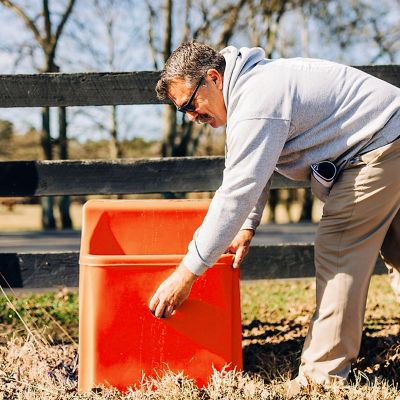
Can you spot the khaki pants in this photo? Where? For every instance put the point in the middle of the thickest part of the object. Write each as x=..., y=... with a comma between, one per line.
x=361, y=217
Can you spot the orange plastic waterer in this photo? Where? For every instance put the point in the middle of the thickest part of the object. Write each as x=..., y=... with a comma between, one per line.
x=128, y=248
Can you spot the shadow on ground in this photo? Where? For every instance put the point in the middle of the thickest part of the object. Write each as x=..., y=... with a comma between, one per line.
x=273, y=350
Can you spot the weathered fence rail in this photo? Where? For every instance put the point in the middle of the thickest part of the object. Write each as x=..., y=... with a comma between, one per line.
x=58, y=269
x=177, y=175
x=188, y=174
x=107, y=88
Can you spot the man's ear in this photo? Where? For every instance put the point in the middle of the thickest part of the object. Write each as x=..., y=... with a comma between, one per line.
x=215, y=77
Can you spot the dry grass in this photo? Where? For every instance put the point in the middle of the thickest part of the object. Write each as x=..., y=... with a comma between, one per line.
x=29, y=370
x=43, y=364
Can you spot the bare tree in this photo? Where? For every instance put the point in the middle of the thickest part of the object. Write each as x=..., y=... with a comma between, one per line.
x=362, y=31
x=169, y=117
x=104, y=37
x=47, y=38
x=105, y=11
x=180, y=137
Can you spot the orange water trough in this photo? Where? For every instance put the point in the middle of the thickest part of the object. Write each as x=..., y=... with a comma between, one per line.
x=128, y=248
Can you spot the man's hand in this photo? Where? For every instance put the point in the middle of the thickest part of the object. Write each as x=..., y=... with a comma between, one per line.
x=240, y=246
x=172, y=292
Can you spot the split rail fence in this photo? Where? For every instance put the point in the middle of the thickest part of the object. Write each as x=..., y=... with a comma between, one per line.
x=127, y=176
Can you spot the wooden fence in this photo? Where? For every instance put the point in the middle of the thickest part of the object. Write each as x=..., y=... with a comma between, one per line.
x=130, y=176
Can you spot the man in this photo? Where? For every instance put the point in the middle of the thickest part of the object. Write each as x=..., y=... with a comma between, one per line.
x=289, y=115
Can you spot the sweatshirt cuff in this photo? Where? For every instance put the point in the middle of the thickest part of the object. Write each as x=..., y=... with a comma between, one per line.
x=250, y=224
x=194, y=263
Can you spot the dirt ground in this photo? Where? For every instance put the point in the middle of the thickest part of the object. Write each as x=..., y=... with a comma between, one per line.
x=27, y=217
x=275, y=330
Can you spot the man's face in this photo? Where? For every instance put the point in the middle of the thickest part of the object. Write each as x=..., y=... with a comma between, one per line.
x=208, y=102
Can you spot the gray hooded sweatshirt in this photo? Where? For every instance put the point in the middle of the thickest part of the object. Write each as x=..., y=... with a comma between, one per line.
x=285, y=115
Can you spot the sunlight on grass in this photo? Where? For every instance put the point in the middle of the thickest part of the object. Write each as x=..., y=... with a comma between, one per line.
x=275, y=316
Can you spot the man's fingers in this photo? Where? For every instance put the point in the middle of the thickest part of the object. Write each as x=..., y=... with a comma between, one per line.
x=238, y=257
x=172, y=292
x=159, y=308
x=159, y=311
x=230, y=249
x=164, y=310
x=154, y=302
x=168, y=311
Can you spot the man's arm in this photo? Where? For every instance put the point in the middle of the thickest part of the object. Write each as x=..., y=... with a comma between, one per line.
x=240, y=245
x=254, y=218
x=254, y=148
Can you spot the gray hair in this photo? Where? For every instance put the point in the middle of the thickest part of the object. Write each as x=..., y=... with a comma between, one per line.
x=189, y=61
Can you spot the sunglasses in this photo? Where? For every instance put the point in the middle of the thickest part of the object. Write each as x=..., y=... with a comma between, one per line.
x=189, y=106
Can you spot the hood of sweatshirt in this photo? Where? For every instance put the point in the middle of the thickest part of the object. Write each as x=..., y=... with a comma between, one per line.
x=238, y=61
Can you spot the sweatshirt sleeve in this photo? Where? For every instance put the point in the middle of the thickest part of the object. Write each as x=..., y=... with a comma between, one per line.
x=254, y=146
x=254, y=218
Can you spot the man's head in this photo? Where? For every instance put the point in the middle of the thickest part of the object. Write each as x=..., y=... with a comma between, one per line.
x=193, y=79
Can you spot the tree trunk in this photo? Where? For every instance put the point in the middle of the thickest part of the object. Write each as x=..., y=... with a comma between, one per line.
x=306, y=212
x=64, y=205
x=169, y=117
x=115, y=145
x=47, y=42
x=167, y=45
x=273, y=201
x=48, y=220
x=169, y=131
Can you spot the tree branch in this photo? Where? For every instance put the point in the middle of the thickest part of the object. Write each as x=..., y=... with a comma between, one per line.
x=64, y=19
x=186, y=28
x=379, y=39
x=28, y=22
x=205, y=25
x=150, y=36
x=47, y=21
x=167, y=43
x=229, y=24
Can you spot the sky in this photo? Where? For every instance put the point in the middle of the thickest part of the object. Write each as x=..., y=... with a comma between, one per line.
x=136, y=120
x=84, y=48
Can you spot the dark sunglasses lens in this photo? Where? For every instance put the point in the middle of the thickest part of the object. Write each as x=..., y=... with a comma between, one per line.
x=188, y=108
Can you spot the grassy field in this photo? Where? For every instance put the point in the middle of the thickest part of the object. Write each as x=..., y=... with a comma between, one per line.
x=38, y=356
